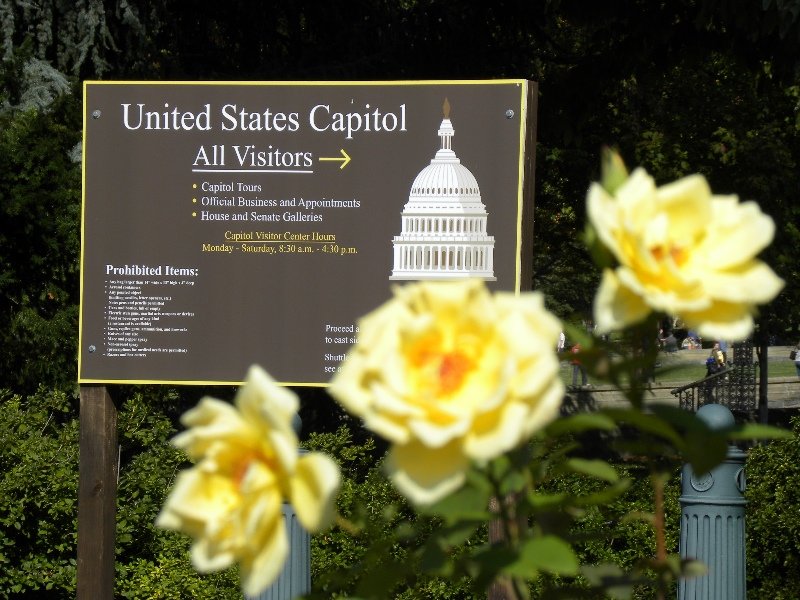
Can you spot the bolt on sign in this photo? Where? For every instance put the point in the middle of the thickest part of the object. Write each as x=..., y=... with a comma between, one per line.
x=228, y=224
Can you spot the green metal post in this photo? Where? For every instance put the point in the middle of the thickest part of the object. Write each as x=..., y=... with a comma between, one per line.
x=712, y=521
x=295, y=579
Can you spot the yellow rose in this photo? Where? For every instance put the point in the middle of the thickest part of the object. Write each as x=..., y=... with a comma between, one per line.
x=450, y=374
x=247, y=466
x=682, y=251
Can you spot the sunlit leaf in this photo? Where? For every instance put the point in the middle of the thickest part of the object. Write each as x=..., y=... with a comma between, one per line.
x=638, y=515
x=613, y=172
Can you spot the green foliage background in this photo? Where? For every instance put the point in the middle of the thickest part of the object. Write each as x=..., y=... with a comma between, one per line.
x=38, y=511
x=773, y=519
x=679, y=86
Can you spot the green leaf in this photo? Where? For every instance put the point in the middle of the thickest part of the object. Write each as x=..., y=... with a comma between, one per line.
x=605, y=495
x=436, y=556
x=377, y=582
x=466, y=504
x=488, y=561
x=578, y=334
x=435, y=560
x=540, y=501
x=460, y=533
x=405, y=531
x=646, y=422
x=547, y=553
x=639, y=515
x=703, y=447
x=594, y=468
x=682, y=419
x=557, y=454
x=500, y=466
x=757, y=431
x=613, y=172
x=611, y=578
x=693, y=568
x=704, y=451
x=600, y=254
x=513, y=482
x=580, y=423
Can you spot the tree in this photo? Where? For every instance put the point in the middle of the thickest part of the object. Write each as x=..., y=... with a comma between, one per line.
x=680, y=86
x=39, y=265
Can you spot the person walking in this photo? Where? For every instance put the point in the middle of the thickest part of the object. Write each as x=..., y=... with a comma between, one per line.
x=712, y=368
x=718, y=356
x=723, y=347
x=577, y=367
x=796, y=352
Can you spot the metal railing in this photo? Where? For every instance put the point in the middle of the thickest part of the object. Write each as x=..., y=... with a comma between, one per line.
x=734, y=387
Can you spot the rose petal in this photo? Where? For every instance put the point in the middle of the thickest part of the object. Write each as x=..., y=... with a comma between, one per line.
x=615, y=306
x=313, y=490
x=423, y=480
x=260, y=569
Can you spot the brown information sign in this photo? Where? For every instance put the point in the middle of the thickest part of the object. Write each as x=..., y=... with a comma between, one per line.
x=227, y=224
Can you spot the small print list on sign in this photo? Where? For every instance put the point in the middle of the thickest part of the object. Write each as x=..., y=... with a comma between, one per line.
x=240, y=205
x=242, y=202
x=142, y=317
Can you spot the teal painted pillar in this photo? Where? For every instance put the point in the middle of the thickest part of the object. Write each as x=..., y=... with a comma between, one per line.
x=295, y=579
x=712, y=521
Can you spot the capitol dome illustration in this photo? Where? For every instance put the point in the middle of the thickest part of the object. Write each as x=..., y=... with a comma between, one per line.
x=443, y=233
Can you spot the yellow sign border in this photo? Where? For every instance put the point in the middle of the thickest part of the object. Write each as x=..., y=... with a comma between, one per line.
x=523, y=83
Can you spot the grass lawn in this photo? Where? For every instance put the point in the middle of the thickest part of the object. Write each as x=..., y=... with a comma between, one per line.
x=682, y=371
x=676, y=368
